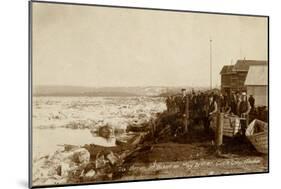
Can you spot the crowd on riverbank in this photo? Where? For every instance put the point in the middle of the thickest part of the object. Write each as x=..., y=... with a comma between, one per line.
x=199, y=107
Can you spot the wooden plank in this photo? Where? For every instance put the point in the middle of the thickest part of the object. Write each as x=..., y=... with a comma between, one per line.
x=219, y=130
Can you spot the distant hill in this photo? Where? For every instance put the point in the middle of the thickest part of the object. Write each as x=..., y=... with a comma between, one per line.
x=177, y=90
x=95, y=91
x=48, y=90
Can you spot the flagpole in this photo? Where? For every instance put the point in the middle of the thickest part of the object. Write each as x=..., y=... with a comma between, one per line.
x=211, y=83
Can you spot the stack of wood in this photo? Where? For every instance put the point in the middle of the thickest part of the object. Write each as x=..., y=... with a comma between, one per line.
x=231, y=125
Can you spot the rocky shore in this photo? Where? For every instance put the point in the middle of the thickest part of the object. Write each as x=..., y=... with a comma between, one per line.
x=90, y=163
x=147, y=151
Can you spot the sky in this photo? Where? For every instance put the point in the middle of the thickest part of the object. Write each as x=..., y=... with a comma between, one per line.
x=101, y=46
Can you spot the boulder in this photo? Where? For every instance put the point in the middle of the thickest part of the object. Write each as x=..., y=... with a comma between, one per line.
x=63, y=169
x=113, y=158
x=106, y=131
x=90, y=173
x=81, y=156
x=101, y=162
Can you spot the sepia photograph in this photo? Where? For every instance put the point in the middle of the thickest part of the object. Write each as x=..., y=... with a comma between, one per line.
x=123, y=94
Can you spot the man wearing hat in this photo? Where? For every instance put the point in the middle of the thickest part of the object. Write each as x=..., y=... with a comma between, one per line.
x=212, y=109
x=184, y=109
x=252, y=101
x=243, y=110
x=233, y=102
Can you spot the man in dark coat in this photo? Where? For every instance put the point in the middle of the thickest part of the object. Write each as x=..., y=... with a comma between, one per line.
x=243, y=110
x=184, y=109
x=252, y=101
x=169, y=103
x=211, y=110
x=233, y=103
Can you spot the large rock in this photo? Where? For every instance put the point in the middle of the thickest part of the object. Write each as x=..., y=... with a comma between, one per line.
x=64, y=168
x=113, y=158
x=101, y=162
x=106, y=132
x=57, y=167
x=81, y=156
x=90, y=174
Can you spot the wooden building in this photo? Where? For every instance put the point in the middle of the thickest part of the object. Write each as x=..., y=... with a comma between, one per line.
x=233, y=76
x=257, y=84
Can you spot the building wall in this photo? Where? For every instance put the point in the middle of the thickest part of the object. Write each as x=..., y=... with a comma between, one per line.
x=233, y=82
x=241, y=77
x=259, y=93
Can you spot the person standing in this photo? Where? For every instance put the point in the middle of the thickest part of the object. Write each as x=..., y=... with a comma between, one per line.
x=212, y=109
x=233, y=103
x=184, y=109
x=168, y=103
x=201, y=104
x=221, y=101
x=227, y=108
x=252, y=101
x=244, y=109
x=238, y=100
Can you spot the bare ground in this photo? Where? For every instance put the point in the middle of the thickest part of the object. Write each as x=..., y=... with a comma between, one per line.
x=193, y=155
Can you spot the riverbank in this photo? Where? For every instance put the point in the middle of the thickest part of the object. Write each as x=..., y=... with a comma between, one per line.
x=150, y=151
x=185, y=159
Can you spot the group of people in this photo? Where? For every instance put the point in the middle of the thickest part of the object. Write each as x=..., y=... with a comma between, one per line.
x=202, y=106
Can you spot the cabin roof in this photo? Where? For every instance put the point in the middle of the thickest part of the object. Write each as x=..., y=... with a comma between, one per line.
x=243, y=65
x=257, y=75
x=226, y=69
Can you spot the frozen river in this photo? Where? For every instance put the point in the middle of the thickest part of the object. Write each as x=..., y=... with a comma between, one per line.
x=68, y=120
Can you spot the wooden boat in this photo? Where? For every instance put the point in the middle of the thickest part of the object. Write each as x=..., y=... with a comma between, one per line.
x=257, y=133
x=131, y=139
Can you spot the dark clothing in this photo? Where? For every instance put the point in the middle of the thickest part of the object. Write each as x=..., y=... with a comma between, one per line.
x=168, y=104
x=211, y=107
x=184, y=105
x=233, y=104
x=184, y=111
x=206, y=123
x=224, y=103
x=227, y=108
x=243, y=124
x=219, y=100
x=243, y=107
x=252, y=101
x=201, y=106
x=178, y=103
